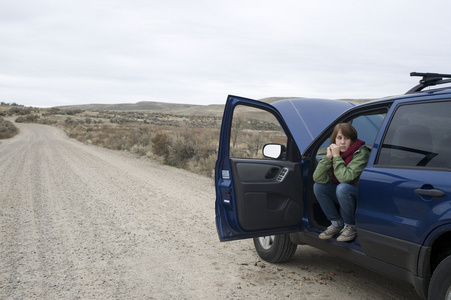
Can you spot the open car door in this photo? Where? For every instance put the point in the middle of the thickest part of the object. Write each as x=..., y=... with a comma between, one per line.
x=255, y=195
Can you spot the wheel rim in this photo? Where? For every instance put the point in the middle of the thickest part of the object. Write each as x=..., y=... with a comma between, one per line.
x=267, y=241
x=448, y=294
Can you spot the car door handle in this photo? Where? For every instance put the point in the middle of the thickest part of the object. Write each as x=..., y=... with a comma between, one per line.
x=434, y=193
x=271, y=174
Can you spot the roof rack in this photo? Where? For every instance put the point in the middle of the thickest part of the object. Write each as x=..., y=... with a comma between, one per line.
x=429, y=79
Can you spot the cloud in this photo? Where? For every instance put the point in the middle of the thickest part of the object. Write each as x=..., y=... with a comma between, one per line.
x=68, y=52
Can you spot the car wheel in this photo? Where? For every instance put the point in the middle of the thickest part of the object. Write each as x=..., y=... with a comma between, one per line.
x=275, y=248
x=440, y=285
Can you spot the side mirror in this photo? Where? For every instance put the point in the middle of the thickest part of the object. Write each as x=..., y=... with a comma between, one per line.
x=274, y=151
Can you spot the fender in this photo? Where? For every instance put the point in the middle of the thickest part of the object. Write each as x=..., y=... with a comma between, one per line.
x=444, y=222
x=424, y=256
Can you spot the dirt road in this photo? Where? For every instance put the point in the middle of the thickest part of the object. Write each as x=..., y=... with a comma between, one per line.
x=82, y=222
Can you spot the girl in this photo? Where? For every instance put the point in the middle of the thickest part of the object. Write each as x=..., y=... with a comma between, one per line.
x=336, y=178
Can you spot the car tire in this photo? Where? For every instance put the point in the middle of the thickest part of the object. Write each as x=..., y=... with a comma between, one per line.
x=440, y=285
x=275, y=248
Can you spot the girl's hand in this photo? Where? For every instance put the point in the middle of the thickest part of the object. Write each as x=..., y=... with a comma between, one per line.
x=329, y=153
x=334, y=149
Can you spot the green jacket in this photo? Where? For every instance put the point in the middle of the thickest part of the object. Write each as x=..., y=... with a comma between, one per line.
x=345, y=174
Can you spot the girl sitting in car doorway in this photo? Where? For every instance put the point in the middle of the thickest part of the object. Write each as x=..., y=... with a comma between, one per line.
x=336, y=178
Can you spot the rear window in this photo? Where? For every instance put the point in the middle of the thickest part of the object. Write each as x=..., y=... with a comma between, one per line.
x=419, y=136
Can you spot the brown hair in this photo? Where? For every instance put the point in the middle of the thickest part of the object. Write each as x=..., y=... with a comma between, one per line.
x=346, y=129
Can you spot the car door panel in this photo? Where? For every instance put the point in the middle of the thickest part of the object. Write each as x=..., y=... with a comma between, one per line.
x=256, y=196
x=267, y=193
x=389, y=229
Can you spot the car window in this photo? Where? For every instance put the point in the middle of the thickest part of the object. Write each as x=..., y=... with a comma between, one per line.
x=367, y=127
x=419, y=135
x=253, y=128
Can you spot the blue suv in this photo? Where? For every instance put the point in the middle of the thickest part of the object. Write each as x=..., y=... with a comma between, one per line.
x=268, y=151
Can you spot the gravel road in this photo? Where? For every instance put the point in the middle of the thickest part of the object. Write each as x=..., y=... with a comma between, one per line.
x=83, y=222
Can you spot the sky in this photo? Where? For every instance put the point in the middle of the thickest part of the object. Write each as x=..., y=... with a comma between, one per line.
x=64, y=52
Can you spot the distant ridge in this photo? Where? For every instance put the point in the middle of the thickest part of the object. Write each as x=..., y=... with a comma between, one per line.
x=163, y=107
x=172, y=108
x=143, y=105
x=156, y=107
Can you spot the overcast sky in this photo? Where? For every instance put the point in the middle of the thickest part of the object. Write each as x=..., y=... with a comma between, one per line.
x=60, y=52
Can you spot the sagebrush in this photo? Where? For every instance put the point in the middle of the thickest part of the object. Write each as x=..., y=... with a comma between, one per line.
x=7, y=129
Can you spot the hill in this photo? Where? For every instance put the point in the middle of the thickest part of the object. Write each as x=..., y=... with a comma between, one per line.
x=162, y=107
x=172, y=108
x=156, y=107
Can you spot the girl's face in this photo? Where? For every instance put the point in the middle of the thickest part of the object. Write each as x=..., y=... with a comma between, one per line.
x=343, y=142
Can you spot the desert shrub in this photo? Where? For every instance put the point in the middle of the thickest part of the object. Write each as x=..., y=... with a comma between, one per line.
x=53, y=111
x=48, y=121
x=160, y=144
x=73, y=122
x=204, y=166
x=137, y=137
x=71, y=112
x=206, y=150
x=115, y=142
x=28, y=119
x=7, y=129
x=18, y=111
x=140, y=150
x=123, y=120
x=180, y=152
